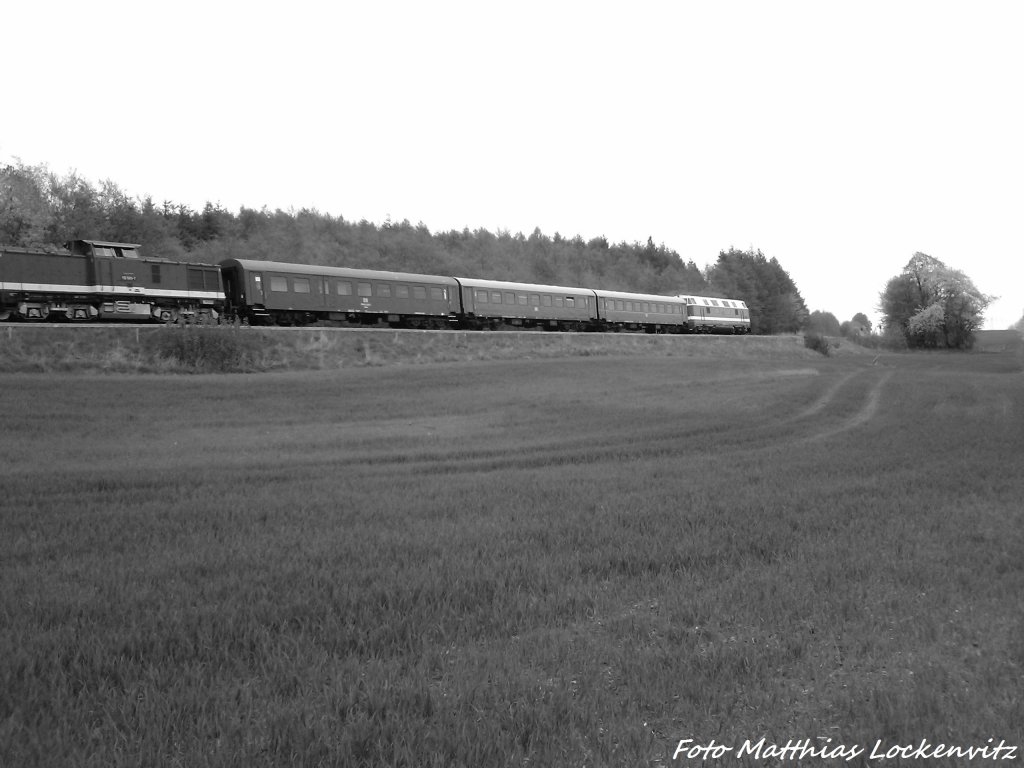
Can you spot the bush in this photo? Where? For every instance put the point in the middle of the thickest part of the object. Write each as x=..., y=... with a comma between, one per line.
x=211, y=349
x=817, y=342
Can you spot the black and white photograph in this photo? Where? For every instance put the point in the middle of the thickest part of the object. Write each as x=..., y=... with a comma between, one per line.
x=537, y=384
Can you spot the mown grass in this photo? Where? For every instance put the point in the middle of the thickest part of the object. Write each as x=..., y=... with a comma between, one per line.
x=547, y=562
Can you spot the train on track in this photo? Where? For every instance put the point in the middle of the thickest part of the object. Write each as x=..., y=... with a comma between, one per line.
x=93, y=280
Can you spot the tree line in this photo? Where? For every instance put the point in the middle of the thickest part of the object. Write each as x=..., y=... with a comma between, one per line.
x=41, y=208
x=928, y=305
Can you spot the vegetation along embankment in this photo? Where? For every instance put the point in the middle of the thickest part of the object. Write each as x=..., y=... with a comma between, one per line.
x=240, y=349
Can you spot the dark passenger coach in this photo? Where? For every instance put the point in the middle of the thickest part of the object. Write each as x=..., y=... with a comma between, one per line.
x=267, y=292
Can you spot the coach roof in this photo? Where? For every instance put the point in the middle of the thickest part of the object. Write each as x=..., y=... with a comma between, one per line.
x=602, y=294
x=255, y=265
x=473, y=282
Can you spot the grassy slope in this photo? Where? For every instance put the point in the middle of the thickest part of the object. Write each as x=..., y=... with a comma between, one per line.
x=111, y=349
x=554, y=562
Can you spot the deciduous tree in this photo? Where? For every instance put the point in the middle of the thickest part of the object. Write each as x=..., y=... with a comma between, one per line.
x=933, y=305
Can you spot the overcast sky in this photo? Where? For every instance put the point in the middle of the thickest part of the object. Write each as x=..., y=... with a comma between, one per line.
x=838, y=137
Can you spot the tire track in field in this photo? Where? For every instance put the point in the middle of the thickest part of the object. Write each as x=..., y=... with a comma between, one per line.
x=678, y=439
x=863, y=415
x=671, y=441
x=825, y=398
x=675, y=440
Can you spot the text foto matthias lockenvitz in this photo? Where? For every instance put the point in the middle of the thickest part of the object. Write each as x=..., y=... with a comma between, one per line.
x=824, y=749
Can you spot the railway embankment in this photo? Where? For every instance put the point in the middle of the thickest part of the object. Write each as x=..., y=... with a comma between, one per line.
x=157, y=349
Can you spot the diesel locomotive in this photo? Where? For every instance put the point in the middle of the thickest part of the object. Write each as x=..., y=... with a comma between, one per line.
x=94, y=280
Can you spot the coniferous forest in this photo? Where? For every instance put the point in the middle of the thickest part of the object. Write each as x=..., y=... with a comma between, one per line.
x=40, y=208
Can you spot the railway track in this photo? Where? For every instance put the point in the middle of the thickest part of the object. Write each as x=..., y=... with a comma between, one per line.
x=13, y=326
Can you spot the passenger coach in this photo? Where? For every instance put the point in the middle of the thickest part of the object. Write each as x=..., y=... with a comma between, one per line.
x=295, y=294
x=490, y=303
x=635, y=311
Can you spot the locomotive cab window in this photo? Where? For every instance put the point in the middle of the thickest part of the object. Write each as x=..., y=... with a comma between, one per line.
x=115, y=252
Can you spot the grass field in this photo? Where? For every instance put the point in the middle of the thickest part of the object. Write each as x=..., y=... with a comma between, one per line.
x=559, y=562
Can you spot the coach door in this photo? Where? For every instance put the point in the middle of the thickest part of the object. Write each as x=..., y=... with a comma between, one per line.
x=257, y=288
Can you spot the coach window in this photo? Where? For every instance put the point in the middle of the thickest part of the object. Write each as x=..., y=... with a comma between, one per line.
x=364, y=289
x=344, y=289
x=558, y=301
x=300, y=284
x=437, y=294
x=401, y=291
x=521, y=298
x=535, y=299
x=384, y=290
x=279, y=284
x=545, y=300
x=481, y=297
x=495, y=297
x=510, y=298
x=419, y=292
x=570, y=302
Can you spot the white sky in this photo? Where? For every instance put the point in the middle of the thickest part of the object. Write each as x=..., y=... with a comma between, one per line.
x=839, y=137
